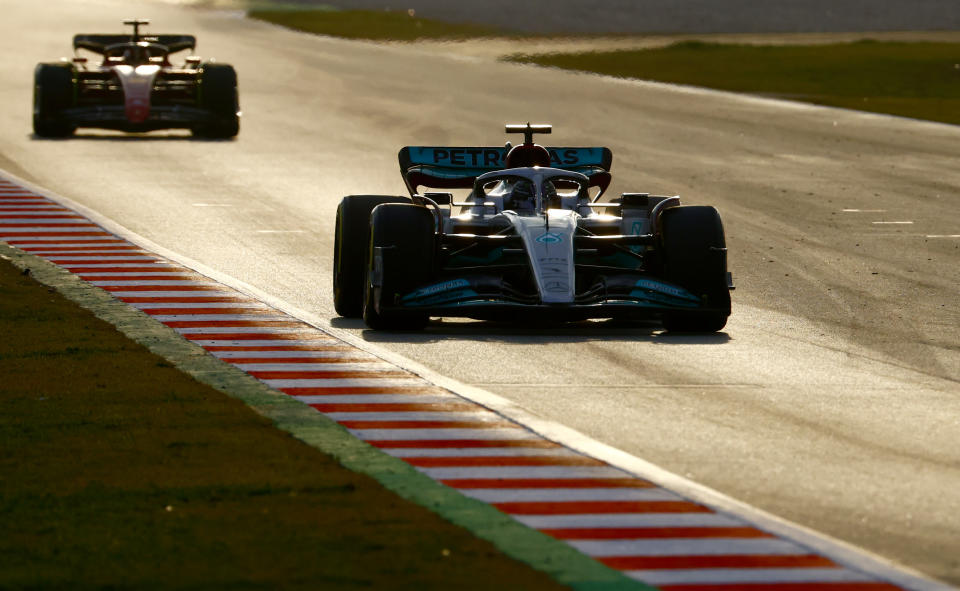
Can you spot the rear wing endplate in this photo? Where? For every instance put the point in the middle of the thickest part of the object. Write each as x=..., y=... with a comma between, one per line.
x=444, y=167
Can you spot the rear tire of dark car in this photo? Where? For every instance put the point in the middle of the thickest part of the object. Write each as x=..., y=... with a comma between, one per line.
x=406, y=233
x=52, y=93
x=694, y=256
x=219, y=96
x=350, y=247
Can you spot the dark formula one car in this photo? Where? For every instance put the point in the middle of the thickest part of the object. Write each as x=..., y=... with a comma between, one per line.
x=135, y=88
x=531, y=241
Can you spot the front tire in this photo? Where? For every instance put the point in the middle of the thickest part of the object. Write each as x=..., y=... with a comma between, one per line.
x=406, y=235
x=350, y=250
x=52, y=93
x=694, y=256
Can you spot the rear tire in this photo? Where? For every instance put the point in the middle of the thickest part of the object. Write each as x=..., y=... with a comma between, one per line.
x=694, y=256
x=408, y=232
x=52, y=93
x=219, y=95
x=350, y=250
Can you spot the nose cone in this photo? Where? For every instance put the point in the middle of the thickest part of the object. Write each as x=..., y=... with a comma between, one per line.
x=137, y=86
x=137, y=110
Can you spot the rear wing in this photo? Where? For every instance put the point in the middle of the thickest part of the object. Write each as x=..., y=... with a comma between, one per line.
x=99, y=43
x=444, y=167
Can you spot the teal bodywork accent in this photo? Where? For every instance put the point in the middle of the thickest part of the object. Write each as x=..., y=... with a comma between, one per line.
x=452, y=298
x=664, y=294
x=617, y=259
x=462, y=260
x=439, y=293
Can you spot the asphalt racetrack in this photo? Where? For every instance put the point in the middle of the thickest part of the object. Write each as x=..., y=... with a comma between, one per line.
x=831, y=398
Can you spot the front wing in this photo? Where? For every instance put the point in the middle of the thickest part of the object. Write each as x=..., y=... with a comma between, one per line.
x=115, y=117
x=489, y=298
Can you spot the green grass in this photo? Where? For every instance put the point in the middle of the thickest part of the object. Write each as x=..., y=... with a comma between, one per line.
x=387, y=25
x=920, y=80
x=119, y=471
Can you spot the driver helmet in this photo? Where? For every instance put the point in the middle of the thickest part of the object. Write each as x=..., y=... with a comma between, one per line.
x=522, y=196
x=136, y=55
x=131, y=55
x=550, y=197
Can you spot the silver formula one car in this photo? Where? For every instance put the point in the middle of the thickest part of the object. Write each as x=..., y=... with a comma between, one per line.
x=531, y=241
x=135, y=87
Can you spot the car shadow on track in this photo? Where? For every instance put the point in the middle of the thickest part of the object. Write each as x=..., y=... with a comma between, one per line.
x=573, y=332
x=134, y=137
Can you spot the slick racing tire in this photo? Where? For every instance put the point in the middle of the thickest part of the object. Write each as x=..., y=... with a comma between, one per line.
x=405, y=232
x=350, y=247
x=694, y=256
x=219, y=96
x=52, y=93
